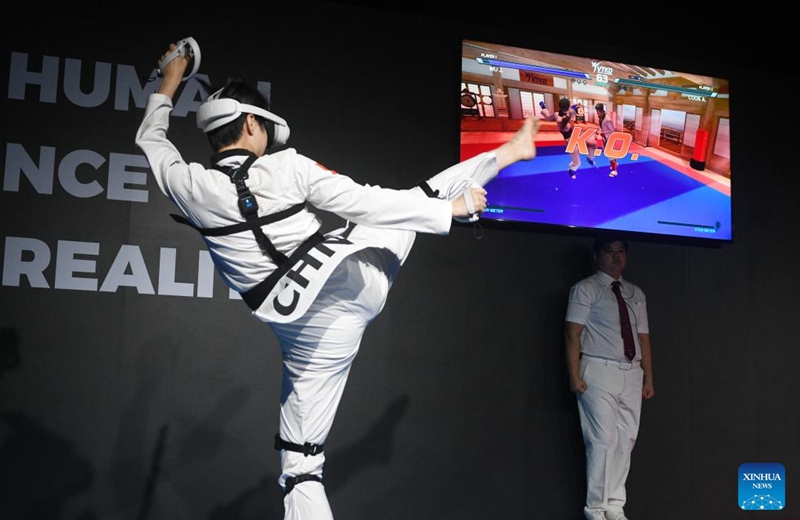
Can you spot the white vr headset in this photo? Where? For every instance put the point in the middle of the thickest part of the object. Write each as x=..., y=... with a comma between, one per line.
x=217, y=111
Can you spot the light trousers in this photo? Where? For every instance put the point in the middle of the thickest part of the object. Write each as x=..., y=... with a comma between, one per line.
x=610, y=411
x=318, y=349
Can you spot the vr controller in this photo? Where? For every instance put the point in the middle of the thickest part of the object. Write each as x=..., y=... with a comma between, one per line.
x=185, y=47
x=216, y=111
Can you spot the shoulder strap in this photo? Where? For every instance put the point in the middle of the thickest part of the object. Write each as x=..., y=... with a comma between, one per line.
x=256, y=296
x=248, y=208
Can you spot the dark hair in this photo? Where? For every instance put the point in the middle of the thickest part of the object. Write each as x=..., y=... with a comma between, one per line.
x=603, y=240
x=243, y=93
x=601, y=107
x=563, y=104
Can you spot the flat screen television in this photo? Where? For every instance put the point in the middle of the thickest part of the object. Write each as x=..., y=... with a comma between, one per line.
x=670, y=142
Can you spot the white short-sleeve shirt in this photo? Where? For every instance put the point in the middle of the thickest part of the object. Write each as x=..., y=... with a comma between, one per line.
x=593, y=304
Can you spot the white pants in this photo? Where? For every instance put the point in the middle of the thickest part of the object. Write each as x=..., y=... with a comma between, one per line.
x=319, y=348
x=609, y=409
x=318, y=351
x=575, y=155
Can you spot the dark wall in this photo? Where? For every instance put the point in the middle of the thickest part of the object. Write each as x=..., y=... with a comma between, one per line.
x=124, y=394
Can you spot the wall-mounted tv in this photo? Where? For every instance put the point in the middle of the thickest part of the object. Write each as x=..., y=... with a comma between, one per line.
x=663, y=167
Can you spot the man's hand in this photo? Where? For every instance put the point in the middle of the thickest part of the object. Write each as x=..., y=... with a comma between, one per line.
x=648, y=390
x=577, y=385
x=172, y=72
x=478, y=202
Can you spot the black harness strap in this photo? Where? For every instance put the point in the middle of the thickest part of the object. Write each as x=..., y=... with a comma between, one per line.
x=291, y=482
x=248, y=207
x=242, y=226
x=256, y=296
x=427, y=189
x=306, y=449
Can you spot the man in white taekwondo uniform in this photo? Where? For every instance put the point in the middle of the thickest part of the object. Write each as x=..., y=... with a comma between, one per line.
x=317, y=292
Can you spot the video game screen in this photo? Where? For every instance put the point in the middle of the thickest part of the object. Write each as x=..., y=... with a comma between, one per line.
x=621, y=146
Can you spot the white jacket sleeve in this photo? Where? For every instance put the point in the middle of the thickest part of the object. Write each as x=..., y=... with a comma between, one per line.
x=151, y=138
x=376, y=206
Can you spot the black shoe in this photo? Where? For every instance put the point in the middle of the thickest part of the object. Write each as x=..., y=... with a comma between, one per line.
x=572, y=174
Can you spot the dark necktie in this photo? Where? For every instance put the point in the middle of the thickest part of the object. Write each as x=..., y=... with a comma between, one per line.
x=625, y=321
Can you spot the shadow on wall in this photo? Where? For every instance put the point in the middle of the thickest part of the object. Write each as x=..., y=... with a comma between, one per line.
x=39, y=471
x=148, y=475
x=265, y=502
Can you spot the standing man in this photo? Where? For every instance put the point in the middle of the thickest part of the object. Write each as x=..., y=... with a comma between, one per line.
x=609, y=383
x=606, y=129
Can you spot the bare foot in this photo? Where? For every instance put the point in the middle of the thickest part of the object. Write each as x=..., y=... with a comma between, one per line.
x=521, y=147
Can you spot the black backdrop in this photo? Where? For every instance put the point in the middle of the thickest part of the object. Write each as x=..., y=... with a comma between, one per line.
x=133, y=386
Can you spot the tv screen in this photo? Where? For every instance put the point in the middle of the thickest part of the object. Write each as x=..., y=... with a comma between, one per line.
x=621, y=146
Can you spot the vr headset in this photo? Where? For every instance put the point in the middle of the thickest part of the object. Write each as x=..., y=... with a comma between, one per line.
x=216, y=111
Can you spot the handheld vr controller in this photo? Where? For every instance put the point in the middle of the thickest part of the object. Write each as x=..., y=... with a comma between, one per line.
x=216, y=111
x=185, y=47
